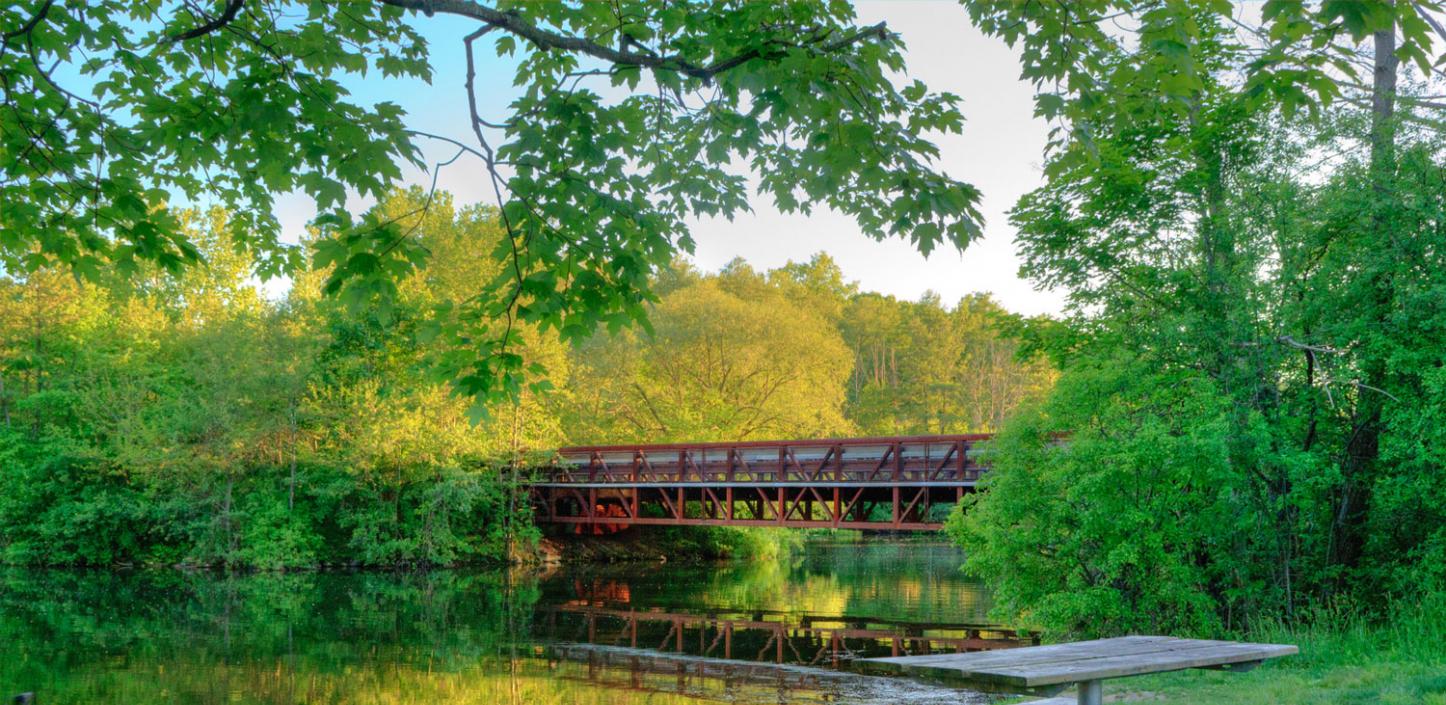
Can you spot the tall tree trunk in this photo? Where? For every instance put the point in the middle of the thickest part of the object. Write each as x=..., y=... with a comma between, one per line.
x=1383, y=111
x=36, y=370
x=291, y=489
x=1220, y=260
x=1363, y=445
x=226, y=524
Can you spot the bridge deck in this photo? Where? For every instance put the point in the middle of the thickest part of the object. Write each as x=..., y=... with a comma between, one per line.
x=905, y=482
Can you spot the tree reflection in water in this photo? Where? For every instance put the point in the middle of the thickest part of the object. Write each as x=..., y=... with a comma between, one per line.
x=775, y=633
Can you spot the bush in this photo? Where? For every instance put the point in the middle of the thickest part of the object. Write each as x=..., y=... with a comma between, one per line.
x=61, y=507
x=1127, y=525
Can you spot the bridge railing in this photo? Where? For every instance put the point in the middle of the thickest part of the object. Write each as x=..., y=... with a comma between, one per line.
x=909, y=459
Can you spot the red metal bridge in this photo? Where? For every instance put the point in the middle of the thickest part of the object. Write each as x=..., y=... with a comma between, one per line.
x=897, y=483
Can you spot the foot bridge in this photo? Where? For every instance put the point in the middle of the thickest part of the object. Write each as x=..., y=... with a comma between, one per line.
x=891, y=484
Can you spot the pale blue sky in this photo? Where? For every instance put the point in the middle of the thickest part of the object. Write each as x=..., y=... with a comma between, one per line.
x=999, y=152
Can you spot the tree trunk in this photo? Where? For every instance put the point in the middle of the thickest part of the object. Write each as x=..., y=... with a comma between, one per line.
x=1363, y=446
x=35, y=374
x=291, y=490
x=1383, y=110
x=226, y=525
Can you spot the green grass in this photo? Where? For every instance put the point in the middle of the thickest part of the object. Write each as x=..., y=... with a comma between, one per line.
x=1344, y=659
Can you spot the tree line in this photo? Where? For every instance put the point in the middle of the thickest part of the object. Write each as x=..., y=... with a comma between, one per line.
x=186, y=418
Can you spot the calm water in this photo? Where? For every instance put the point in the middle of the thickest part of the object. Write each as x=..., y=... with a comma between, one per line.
x=778, y=632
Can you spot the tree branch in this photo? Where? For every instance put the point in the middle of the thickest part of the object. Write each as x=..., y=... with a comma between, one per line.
x=464, y=146
x=233, y=7
x=34, y=21
x=1430, y=20
x=548, y=39
x=1292, y=342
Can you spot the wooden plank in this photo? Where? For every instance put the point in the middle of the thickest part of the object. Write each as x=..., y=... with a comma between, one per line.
x=1099, y=648
x=1140, y=664
x=1032, y=667
x=1033, y=654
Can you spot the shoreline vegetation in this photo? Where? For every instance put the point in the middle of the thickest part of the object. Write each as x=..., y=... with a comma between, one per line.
x=672, y=544
x=181, y=418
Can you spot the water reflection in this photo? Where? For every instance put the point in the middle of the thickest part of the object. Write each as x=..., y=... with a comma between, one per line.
x=647, y=676
x=764, y=633
x=771, y=636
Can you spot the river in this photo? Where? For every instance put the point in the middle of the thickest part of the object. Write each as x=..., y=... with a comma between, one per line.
x=778, y=632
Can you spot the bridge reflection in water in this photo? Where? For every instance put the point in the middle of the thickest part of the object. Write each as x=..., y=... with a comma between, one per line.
x=768, y=636
x=729, y=655
x=897, y=483
x=668, y=678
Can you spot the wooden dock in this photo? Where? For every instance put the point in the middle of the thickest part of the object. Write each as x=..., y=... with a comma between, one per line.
x=1050, y=669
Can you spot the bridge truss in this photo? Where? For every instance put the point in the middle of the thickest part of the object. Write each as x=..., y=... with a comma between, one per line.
x=898, y=483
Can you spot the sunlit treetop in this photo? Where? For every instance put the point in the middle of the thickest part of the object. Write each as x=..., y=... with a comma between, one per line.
x=632, y=117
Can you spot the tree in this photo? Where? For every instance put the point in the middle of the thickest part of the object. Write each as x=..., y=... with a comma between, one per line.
x=629, y=119
x=991, y=375
x=818, y=284
x=740, y=348
x=1130, y=526
x=1201, y=237
x=716, y=367
x=922, y=368
x=424, y=459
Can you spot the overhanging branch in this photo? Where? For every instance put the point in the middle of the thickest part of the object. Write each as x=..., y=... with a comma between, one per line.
x=548, y=39
x=31, y=24
x=233, y=7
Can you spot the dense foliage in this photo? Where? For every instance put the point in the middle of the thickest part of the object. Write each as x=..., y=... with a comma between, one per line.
x=631, y=116
x=183, y=418
x=798, y=352
x=1251, y=237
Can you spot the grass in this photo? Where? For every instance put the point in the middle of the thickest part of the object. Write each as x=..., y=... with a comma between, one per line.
x=1344, y=659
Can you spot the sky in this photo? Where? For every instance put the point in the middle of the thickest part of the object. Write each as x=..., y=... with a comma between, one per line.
x=999, y=152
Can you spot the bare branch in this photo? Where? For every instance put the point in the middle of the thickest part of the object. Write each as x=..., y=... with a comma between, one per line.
x=1292, y=342
x=1362, y=385
x=462, y=145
